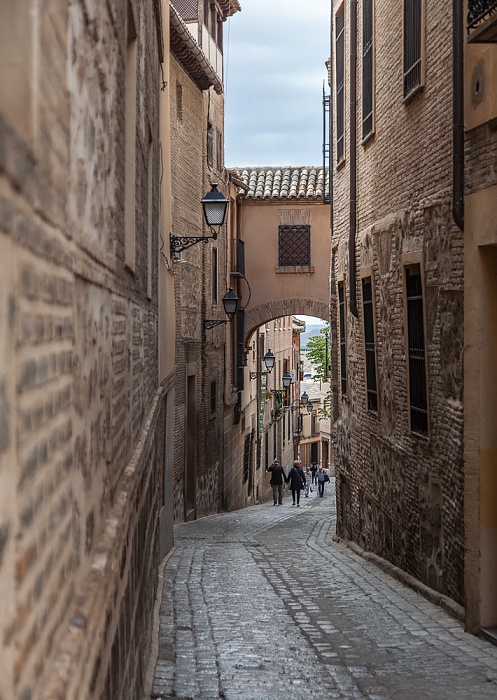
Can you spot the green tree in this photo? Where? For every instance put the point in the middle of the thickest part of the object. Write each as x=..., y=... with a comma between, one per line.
x=318, y=351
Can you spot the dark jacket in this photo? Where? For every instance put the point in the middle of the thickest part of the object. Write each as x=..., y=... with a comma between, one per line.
x=296, y=478
x=277, y=474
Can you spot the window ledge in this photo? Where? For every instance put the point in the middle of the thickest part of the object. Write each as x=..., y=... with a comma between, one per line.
x=412, y=94
x=294, y=269
x=368, y=138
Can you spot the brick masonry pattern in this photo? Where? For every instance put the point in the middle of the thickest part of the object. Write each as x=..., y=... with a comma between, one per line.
x=399, y=495
x=81, y=415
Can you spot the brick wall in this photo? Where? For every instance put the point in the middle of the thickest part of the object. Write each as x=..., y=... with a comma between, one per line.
x=202, y=356
x=398, y=494
x=82, y=415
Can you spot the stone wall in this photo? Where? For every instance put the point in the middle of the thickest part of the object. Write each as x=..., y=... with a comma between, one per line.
x=400, y=495
x=82, y=415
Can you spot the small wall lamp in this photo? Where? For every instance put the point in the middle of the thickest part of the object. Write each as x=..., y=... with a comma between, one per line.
x=303, y=401
x=287, y=380
x=230, y=304
x=269, y=359
x=214, y=205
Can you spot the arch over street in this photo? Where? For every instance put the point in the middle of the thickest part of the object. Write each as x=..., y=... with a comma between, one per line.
x=263, y=313
x=284, y=223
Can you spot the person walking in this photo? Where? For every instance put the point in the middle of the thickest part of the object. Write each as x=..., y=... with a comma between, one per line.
x=296, y=479
x=277, y=480
x=322, y=478
x=314, y=468
x=308, y=482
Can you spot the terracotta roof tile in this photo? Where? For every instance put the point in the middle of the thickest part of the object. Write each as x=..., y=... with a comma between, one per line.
x=302, y=182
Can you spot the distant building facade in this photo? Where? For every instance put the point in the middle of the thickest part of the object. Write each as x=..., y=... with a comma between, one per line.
x=201, y=278
x=397, y=283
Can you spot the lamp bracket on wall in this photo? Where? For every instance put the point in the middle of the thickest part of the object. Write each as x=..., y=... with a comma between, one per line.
x=212, y=323
x=254, y=375
x=179, y=243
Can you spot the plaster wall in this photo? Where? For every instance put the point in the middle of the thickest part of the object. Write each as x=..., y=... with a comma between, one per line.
x=480, y=403
x=268, y=282
x=481, y=408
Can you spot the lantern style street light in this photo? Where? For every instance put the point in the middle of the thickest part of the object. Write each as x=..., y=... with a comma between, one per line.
x=269, y=359
x=287, y=380
x=230, y=304
x=214, y=205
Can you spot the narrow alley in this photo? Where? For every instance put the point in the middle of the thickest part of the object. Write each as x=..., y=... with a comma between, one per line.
x=264, y=603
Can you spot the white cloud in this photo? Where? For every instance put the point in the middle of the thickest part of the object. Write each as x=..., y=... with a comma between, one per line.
x=275, y=54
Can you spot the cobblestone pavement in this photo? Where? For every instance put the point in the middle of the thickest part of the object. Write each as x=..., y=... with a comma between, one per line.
x=262, y=604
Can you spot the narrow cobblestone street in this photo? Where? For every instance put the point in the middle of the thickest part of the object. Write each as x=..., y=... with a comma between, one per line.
x=263, y=603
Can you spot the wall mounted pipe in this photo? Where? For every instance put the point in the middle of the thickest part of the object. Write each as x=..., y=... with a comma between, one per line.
x=458, y=113
x=353, y=160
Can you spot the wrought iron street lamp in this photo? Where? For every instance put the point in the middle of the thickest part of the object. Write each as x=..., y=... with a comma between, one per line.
x=287, y=380
x=214, y=205
x=230, y=304
x=269, y=359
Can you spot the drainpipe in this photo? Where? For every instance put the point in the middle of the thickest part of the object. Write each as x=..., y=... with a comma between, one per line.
x=458, y=114
x=330, y=128
x=353, y=159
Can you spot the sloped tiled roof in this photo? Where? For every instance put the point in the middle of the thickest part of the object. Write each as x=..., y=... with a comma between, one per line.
x=299, y=182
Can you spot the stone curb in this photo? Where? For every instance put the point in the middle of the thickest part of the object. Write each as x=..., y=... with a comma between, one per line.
x=154, y=642
x=450, y=606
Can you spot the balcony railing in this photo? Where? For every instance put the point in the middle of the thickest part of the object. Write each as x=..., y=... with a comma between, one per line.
x=480, y=10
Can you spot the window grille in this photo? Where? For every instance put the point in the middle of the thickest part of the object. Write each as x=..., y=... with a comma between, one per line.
x=416, y=351
x=246, y=458
x=294, y=245
x=412, y=44
x=367, y=301
x=340, y=81
x=343, y=365
x=275, y=444
x=367, y=67
x=266, y=450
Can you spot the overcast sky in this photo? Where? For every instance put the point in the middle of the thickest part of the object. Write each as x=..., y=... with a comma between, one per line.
x=275, y=53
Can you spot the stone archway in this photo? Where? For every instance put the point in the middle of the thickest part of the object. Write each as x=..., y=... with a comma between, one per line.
x=259, y=315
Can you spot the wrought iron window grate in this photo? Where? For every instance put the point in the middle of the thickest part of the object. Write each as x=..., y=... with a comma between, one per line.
x=418, y=402
x=367, y=301
x=294, y=245
x=343, y=365
x=412, y=44
x=367, y=67
x=340, y=82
